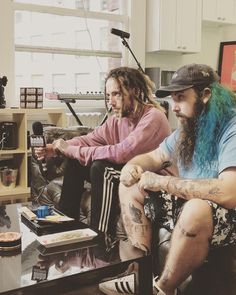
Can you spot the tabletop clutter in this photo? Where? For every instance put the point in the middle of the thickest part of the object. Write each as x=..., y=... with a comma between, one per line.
x=60, y=229
x=49, y=216
x=10, y=241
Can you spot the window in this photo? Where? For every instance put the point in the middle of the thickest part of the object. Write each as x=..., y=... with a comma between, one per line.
x=37, y=39
x=66, y=49
x=110, y=6
x=84, y=4
x=83, y=82
x=82, y=39
x=104, y=38
x=37, y=80
x=58, y=82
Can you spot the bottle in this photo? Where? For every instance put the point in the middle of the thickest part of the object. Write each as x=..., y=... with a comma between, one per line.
x=233, y=74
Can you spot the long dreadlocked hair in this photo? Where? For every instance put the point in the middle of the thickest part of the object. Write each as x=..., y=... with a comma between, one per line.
x=138, y=85
x=208, y=126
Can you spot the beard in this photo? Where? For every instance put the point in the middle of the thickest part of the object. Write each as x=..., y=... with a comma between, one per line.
x=188, y=134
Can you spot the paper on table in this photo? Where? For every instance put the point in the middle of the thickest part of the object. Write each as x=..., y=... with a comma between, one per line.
x=67, y=237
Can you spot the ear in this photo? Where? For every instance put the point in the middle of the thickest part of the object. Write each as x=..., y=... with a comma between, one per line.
x=206, y=95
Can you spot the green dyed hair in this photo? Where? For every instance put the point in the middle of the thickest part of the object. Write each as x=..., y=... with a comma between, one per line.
x=219, y=110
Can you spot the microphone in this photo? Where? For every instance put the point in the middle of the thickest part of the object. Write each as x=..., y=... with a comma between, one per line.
x=37, y=140
x=120, y=33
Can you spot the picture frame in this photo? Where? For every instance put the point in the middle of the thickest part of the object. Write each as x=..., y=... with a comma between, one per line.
x=227, y=64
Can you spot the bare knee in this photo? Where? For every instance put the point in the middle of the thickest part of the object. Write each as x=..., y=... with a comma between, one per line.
x=196, y=217
x=130, y=194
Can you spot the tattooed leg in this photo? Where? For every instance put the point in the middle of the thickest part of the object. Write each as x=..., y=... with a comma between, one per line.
x=137, y=226
x=189, y=244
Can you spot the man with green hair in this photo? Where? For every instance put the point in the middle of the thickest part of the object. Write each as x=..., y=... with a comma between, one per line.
x=198, y=204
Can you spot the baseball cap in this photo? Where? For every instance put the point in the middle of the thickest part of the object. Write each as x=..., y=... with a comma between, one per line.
x=187, y=77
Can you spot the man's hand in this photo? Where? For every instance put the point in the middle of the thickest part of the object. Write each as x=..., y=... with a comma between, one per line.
x=151, y=181
x=60, y=145
x=130, y=174
x=43, y=152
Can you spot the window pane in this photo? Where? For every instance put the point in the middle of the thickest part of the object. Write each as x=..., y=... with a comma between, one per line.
x=62, y=73
x=110, y=6
x=42, y=29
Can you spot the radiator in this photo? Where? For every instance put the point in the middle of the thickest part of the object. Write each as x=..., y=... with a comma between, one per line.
x=90, y=119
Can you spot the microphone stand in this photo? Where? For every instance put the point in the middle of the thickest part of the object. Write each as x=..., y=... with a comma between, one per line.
x=126, y=44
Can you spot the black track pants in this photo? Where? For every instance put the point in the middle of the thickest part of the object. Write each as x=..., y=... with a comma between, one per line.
x=104, y=178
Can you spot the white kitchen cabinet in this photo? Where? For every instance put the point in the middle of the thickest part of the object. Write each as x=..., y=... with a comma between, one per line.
x=174, y=25
x=219, y=11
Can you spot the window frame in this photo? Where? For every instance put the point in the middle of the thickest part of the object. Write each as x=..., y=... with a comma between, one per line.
x=60, y=11
x=75, y=13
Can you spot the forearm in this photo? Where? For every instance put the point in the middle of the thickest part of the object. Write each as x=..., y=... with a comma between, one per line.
x=144, y=161
x=150, y=161
x=136, y=167
x=215, y=190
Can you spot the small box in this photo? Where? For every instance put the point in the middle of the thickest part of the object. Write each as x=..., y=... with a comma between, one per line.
x=31, y=98
x=43, y=211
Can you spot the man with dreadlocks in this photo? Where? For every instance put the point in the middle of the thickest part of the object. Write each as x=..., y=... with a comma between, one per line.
x=138, y=125
x=198, y=204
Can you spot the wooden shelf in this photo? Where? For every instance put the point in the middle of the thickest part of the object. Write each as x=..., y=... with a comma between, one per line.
x=20, y=155
x=12, y=152
x=14, y=191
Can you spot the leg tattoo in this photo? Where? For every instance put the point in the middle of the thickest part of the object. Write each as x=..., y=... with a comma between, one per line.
x=136, y=214
x=186, y=233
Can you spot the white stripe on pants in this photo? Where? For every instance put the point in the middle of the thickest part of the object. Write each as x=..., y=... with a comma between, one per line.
x=110, y=176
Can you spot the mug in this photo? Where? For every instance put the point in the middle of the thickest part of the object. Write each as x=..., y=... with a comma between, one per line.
x=8, y=178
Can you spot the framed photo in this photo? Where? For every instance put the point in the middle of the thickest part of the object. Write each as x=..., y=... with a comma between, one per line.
x=227, y=64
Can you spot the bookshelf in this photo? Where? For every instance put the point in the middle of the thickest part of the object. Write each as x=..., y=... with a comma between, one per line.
x=19, y=156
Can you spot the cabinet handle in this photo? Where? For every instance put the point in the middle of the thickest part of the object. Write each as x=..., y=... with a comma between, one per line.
x=184, y=47
x=223, y=18
x=219, y=18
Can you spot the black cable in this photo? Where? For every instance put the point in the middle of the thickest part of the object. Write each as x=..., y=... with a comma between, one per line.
x=36, y=199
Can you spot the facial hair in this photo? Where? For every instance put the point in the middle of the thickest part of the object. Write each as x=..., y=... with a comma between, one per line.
x=188, y=135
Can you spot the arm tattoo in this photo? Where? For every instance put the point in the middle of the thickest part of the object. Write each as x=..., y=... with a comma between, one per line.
x=165, y=164
x=194, y=188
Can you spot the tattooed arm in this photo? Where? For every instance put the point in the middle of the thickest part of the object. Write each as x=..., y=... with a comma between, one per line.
x=152, y=161
x=221, y=190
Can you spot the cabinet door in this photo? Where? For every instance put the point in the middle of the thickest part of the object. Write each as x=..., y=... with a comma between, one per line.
x=161, y=19
x=174, y=25
x=167, y=25
x=188, y=26
x=219, y=11
x=226, y=11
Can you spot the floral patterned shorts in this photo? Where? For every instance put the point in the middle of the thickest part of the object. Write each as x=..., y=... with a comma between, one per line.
x=164, y=209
